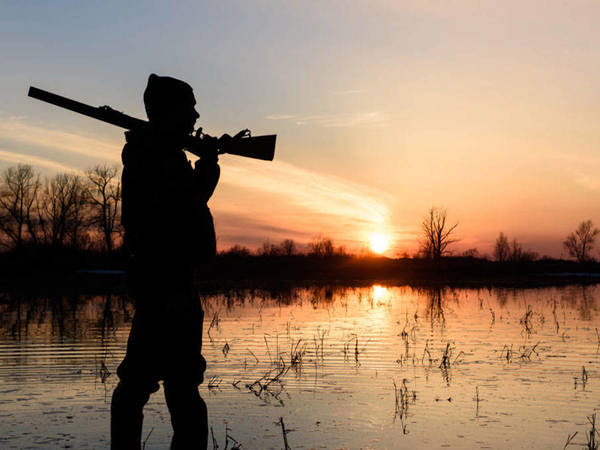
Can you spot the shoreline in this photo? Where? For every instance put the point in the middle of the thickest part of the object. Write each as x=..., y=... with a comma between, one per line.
x=66, y=270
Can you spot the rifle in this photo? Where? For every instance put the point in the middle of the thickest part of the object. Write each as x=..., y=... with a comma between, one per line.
x=257, y=147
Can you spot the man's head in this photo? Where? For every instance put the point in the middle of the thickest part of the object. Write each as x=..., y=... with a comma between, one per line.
x=170, y=104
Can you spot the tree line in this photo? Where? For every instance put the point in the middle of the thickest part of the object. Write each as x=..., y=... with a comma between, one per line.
x=83, y=211
x=438, y=234
x=322, y=247
x=67, y=209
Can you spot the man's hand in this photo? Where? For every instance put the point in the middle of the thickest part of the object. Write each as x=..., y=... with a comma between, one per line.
x=227, y=141
x=242, y=134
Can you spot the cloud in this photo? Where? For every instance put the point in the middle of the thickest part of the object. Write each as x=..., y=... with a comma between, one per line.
x=20, y=158
x=341, y=120
x=309, y=190
x=280, y=117
x=15, y=129
x=242, y=228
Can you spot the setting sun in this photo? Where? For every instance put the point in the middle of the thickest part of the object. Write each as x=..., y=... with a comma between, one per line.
x=379, y=242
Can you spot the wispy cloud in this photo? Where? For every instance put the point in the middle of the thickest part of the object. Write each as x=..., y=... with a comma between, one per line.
x=312, y=191
x=16, y=129
x=36, y=161
x=280, y=117
x=341, y=120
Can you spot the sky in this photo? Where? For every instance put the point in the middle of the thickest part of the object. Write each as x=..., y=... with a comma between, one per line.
x=382, y=109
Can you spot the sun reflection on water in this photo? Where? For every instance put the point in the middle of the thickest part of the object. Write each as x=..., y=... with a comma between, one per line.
x=380, y=293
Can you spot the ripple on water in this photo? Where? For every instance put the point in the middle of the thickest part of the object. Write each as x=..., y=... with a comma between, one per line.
x=471, y=368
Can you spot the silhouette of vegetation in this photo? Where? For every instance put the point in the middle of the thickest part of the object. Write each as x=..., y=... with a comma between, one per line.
x=104, y=195
x=69, y=222
x=18, y=203
x=437, y=233
x=512, y=252
x=322, y=247
x=502, y=248
x=580, y=243
x=471, y=253
x=64, y=210
x=287, y=247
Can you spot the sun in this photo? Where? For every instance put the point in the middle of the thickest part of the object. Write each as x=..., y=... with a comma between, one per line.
x=379, y=242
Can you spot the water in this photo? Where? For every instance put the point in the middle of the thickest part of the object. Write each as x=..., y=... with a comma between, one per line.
x=374, y=367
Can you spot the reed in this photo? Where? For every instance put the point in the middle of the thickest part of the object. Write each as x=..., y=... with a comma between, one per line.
x=477, y=400
x=401, y=402
x=214, y=383
x=297, y=351
x=284, y=432
x=528, y=352
x=570, y=438
x=591, y=435
x=592, y=443
x=146, y=440
x=526, y=320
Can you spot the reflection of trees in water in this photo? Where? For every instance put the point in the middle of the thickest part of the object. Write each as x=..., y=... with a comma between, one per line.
x=582, y=298
x=434, y=310
x=587, y=303
x=276, y=295
x=65, y=317
x=506, y=295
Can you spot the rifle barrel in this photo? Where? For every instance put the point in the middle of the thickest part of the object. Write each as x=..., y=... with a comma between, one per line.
x=103, y=113
x=258, y=147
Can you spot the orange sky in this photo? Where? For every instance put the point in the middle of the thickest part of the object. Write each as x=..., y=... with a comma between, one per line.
x=382, y=109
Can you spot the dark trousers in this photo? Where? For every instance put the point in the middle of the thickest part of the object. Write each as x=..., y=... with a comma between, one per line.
x=188, y=416
x=165, y=343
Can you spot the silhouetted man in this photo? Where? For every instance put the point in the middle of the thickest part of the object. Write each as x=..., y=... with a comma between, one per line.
x=168, y=229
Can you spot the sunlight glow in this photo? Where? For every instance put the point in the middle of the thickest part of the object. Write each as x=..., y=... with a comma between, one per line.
x=380, y=293
x=379, y=242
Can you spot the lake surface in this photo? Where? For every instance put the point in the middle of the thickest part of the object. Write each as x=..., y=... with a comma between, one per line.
x=372, y=367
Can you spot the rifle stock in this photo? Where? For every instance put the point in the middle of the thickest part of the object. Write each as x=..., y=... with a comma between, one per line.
x=257, y=147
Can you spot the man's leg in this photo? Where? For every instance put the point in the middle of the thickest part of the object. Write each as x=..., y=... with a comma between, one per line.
x=138, y=379
x=189, y=416
x=126, y=416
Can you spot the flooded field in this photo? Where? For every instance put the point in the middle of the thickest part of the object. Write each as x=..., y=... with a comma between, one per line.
x=373, y=367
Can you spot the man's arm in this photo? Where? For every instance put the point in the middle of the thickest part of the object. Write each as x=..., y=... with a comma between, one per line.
x=207, y=173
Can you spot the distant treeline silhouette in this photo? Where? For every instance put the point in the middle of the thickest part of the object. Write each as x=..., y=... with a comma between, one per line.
x=82, y=212
x=68, y=209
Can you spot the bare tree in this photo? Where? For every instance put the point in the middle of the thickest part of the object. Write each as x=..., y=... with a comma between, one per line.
x=471, y=253
x=104, y=195
x=437, y=233
x=268, y=249
x=18, y=194
x=237, y=250
x=288, y=247
x=516, y=251
x=322, y=247
x=580, y=243
x=502, y=248
x=62, y=209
